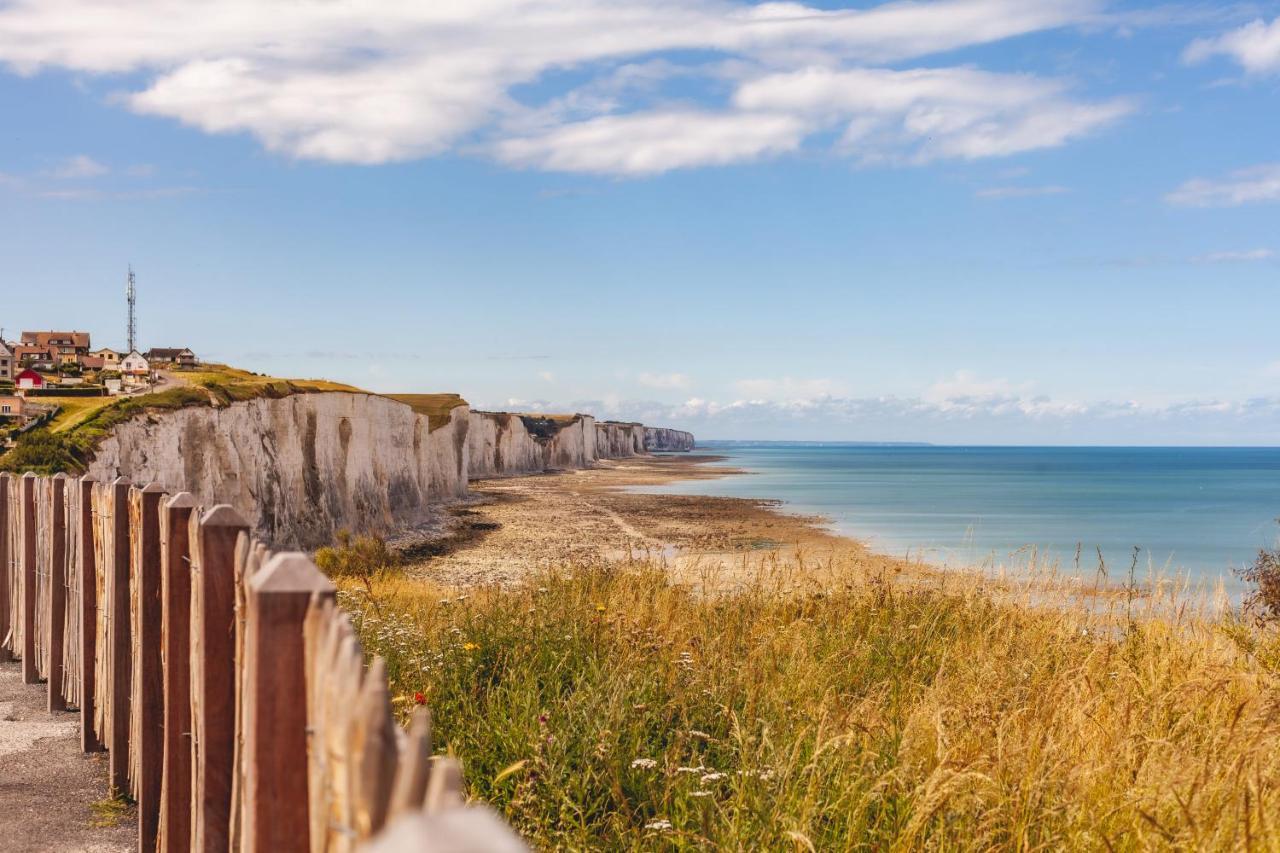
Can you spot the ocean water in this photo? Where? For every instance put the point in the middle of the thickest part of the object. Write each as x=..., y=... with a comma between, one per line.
x=1202, y=511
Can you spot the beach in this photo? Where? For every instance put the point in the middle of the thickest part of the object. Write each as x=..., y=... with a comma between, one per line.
x=516, y=526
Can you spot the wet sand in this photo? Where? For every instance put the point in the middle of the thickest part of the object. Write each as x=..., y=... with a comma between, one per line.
x=518, y=526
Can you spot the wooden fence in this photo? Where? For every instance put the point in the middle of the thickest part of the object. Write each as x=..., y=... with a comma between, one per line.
x=227, y=688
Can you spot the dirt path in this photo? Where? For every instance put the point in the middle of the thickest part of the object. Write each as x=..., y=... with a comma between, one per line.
x=47, y=785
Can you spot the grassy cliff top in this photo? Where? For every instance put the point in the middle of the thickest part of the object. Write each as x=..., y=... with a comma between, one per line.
x=435, y=406
x=83, y=422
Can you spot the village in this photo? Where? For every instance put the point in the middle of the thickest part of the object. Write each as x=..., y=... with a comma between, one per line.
x=42, y=368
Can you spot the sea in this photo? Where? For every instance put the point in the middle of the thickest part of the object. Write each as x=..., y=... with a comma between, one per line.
x=1198, y=511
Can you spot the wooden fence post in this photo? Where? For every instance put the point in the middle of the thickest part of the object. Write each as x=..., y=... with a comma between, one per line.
x=175, y=559
x=119, y=638
x=30, y=668
x=275, y=733
x=150, y=664
x=6, y=611
x=57, y=590
x=88, y=617
x=213, y=674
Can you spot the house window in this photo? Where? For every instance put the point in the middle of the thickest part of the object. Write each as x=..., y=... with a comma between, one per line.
x=5, y=409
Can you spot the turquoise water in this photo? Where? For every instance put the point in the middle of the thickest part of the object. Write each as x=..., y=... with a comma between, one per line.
x=1198, y=510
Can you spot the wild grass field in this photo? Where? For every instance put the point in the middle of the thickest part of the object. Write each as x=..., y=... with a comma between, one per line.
x=837, y=707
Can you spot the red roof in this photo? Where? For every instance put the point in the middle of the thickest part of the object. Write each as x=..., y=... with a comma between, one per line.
x=29, y=374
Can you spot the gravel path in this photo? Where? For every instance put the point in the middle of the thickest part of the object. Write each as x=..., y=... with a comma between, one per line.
x=47, y=785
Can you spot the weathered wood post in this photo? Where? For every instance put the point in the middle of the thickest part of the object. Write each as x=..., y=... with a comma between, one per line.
x=150, y=664
x=30, y=669
x=88, y=616
x=175, y=570
x=213, y=675
x=6, y=606
x=57, y=590
x=275, y=724
x=119, y=637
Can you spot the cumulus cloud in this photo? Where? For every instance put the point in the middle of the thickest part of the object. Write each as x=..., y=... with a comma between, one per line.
x=1255, y=47
x=1243, y=186
x=787, y=388
x=364, y=81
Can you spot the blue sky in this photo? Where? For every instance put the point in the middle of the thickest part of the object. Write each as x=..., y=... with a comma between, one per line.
x=955, y=221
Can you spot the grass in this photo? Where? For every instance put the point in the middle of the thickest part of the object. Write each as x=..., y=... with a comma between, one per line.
x=839, y=708
x=66, y=443
x=435, y=406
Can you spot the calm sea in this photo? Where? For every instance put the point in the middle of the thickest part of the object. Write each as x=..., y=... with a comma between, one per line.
x=1199, y=510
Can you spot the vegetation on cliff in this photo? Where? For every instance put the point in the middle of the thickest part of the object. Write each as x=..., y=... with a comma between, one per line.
x=437, y=407
x=841, y=708
x=65, y=443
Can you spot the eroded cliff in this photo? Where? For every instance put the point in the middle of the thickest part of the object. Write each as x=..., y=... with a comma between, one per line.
x=301, y=467
x=662, y=439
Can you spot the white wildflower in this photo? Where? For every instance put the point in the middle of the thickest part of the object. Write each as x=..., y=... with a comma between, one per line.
x=644, y=763
x=700, y=734
x=697, y=769
x=658, y=825
x=700, y=793
x=714, y=776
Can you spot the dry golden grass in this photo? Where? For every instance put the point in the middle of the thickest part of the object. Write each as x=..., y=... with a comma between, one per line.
x=435, y=406
x=842, y=706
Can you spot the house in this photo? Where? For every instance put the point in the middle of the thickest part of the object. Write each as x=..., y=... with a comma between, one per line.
x=93, y=362
x=29, y=380
x=6, y=363
x=110, y=358
x=41, y=358
x=64, y=347
x=134, y=364
x=12, y=406
x=180, y=356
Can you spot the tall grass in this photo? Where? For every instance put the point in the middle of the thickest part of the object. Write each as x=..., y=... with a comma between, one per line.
x=842, y=709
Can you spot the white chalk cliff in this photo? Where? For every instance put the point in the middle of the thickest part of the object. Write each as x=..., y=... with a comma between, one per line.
x=301, y=467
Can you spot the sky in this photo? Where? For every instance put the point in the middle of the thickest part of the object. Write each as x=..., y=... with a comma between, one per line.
x=959, y=221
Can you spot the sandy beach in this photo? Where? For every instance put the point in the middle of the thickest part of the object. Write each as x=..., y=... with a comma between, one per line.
x=516, y=526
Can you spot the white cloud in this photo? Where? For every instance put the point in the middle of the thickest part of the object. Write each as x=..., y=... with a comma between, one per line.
x=79, y=166
x=366, y=81
x=1242, y=256
x=664, y=380
x=654, y=142
x=1255, y=47
x=1244, y=186
x=928, y=114
x=998, y=193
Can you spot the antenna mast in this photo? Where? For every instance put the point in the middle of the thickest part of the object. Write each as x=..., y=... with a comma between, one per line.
x=131, y=295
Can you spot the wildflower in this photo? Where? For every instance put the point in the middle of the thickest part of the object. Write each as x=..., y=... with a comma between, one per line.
x=700, y=793
x=469, y=647
x=714, y=776
x=542, y=589
x=697, y=769
x=644, y=763
x=599, y=608
x=419, y=698
x=700, y=734
x=658, y=825
x=445, y=601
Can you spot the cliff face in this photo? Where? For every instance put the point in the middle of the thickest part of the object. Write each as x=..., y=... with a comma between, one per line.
x=661, y=439
x=616, y=440
x=498, y=445
x=301, y=467
x=501, y=444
